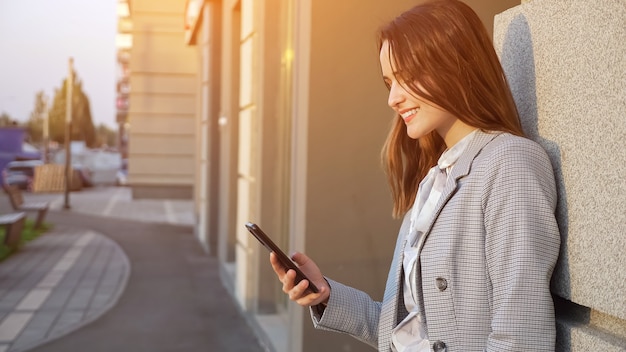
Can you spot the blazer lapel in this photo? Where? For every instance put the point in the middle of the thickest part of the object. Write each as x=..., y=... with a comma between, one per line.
x=460, y=169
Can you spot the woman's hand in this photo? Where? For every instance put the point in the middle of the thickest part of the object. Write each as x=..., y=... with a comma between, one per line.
x=299, y=293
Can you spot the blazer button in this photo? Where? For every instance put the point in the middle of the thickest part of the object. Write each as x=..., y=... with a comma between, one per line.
x=441, y=283
x=439, y=346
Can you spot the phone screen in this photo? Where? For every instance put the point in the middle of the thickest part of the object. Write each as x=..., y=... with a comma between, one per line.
x=256, y=231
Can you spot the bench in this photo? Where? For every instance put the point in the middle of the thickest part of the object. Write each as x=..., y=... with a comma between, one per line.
x=18, y=204
x=13, y=224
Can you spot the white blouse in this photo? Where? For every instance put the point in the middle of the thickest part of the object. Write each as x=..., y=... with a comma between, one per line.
x=411, y=335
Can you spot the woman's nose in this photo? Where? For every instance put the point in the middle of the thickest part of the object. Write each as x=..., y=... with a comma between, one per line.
x=395, y=95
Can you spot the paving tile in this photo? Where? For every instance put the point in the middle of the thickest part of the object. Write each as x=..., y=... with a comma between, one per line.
x=43, y=320
x=29, y=336
x=113, y=275
x=80, y=299
x=33, y=300
x=102, y=298
x=66, y=321
x=51, y=280
x=12, y=299
x=12, y=325
x=57, y=299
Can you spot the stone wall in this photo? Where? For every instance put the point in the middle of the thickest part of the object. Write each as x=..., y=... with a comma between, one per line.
x=566, y=64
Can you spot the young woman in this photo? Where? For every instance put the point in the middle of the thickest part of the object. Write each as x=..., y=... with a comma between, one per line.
x=479, y=241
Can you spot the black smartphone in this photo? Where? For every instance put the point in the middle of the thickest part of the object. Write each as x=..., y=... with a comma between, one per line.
x=256, y=231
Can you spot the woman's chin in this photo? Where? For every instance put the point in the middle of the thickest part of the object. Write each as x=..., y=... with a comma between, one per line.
x=413, y=133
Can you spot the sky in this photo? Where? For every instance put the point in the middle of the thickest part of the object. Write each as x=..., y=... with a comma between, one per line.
x=37, y=38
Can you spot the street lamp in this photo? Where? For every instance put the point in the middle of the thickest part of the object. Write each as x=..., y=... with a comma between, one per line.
x=46, y=129
x=68, y=130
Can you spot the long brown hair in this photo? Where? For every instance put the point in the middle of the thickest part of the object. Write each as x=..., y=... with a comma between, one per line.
x=443, y=46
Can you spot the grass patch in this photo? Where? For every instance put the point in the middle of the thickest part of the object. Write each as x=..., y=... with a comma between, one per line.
x=29, y=233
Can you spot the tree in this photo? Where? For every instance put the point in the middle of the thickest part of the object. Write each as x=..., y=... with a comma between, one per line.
x=34, y=125
x=6, y=120
x=106, y=136
x=82, y=128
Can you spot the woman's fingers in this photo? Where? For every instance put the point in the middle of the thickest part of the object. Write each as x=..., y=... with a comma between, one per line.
x=299, y=292
x=289, y=282
x=300, y=258
x=286, y=278
x=310, y=299
x=279, y=269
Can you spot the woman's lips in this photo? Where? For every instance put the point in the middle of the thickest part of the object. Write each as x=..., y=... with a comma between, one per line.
x=408, y=115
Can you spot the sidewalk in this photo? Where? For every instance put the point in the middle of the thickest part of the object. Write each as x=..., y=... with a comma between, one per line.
x=117, y=274
x=116, y=202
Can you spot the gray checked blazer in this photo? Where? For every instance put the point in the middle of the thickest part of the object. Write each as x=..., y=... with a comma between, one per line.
x=486, y=259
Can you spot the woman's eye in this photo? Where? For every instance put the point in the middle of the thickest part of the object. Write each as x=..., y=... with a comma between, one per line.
x=404, y=79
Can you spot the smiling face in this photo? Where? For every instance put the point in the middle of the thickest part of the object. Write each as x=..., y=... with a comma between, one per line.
x=420, y=116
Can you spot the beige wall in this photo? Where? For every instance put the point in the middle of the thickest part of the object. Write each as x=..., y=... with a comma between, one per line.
x=162, y=102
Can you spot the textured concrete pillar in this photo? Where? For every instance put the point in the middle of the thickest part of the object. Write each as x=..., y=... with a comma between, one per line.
x=566, y=64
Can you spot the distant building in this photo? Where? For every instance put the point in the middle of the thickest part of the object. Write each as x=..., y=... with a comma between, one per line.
x=156, y=101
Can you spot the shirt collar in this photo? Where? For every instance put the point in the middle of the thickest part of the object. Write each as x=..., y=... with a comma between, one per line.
x=451, y=155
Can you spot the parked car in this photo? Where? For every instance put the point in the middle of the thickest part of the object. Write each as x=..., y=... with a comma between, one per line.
x=20, y=173
x=121, y=177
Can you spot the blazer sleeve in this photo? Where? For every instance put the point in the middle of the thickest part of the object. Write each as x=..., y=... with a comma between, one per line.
x=522, y=245
x=349, y=311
